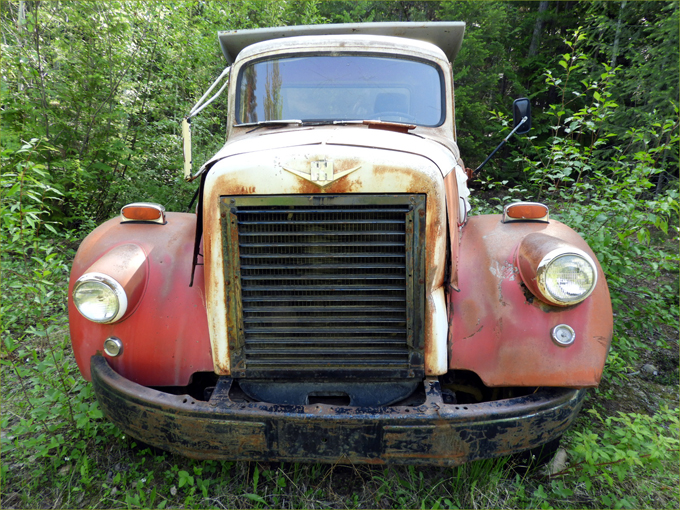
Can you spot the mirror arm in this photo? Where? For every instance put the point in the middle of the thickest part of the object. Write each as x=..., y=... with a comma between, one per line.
x=524, y=119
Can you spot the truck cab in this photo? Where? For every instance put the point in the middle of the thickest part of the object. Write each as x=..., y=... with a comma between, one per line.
x=333, y=299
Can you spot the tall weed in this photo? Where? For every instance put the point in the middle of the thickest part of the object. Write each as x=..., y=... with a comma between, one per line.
x=49, y=413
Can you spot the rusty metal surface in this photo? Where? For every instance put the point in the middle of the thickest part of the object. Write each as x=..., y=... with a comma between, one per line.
x=357, y=255
x=282, y=160
x=501, y=331
x=437, y=330
x=433, y=433
x=452, y=217
x=249, y=141
x=166, y=337
x=266, y=172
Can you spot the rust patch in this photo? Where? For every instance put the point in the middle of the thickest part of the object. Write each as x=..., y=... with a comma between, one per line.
x=405, y=173
x=342, y=165
x=452, y=205
x=431, y=433
x=527, y=293
x=229, y=186
x=603, y=340
x=430, y=347
x=498, y=329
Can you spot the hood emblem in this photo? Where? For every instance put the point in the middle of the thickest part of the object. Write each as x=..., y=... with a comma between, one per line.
x=322, y=172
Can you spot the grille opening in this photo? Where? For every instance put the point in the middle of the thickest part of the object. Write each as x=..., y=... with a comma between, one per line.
x=200, y=387
x=324, y=283
x=331, y=399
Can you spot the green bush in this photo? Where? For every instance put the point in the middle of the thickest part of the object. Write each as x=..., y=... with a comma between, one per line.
x=606, y=188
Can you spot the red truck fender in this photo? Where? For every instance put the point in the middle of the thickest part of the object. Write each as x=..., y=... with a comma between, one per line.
x=500, y=331
x=164, y=333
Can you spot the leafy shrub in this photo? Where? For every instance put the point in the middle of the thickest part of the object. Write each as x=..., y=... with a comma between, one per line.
x=627, y=444
x=606, y=188
x=53, y=416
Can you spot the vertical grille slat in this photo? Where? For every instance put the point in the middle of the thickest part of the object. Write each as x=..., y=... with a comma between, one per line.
x=322, y=286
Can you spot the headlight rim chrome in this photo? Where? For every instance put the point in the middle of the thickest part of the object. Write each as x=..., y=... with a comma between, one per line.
x=112, y=284
x=548, y=260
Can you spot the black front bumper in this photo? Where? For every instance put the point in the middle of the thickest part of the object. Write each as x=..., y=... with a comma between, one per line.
x=433, y=433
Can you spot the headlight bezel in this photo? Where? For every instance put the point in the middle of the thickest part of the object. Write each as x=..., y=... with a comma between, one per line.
x=549, y=260
x=108, y=282
x=536, y=255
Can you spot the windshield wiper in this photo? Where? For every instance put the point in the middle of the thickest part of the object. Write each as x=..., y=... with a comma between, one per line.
x=270, y=123
x=306, y=123
x=297, y=122
x=366, y=122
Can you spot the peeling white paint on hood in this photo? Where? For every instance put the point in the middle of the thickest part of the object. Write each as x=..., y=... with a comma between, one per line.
x=359, y=136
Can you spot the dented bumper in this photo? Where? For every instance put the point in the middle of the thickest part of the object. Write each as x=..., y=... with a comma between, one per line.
x=433, y=433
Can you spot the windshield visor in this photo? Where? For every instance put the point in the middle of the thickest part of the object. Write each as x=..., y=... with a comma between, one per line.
x=340, y=88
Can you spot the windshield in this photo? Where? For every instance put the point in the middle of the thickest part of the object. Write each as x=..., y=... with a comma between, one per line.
x=340, y=88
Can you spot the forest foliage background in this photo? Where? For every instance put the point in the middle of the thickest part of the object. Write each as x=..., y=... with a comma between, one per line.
x=103, y=86
x=92, y=97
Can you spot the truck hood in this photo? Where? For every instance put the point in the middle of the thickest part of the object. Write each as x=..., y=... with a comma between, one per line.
x=445, y=158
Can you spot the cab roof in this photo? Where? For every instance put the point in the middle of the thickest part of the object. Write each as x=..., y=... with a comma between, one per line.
x=447, y=35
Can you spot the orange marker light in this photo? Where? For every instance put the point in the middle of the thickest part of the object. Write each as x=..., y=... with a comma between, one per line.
x=519, y=211
x=143, y=211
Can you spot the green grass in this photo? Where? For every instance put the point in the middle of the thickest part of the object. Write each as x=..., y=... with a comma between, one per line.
x=60, y=456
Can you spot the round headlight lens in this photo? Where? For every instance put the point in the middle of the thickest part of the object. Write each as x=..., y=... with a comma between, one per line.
x=568, y=278
x=99, y=298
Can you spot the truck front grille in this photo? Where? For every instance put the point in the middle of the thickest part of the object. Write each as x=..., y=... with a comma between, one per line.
x=325, y=286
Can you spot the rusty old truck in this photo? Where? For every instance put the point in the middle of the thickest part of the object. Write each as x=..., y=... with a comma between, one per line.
x=333, y=298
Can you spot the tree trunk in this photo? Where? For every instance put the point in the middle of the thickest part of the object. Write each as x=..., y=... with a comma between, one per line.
x=617, y=37
x=21, y=24
x=538, y=28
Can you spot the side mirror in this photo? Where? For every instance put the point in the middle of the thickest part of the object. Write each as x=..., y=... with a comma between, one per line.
x=521, y=113
x=521, y=108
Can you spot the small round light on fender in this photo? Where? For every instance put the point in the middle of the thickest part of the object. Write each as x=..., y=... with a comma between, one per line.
x=113, y=346
x=563, y=335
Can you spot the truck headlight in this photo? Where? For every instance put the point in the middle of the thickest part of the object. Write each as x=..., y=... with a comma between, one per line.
x=566, y=278
x=555, y=271
x=99, y=298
